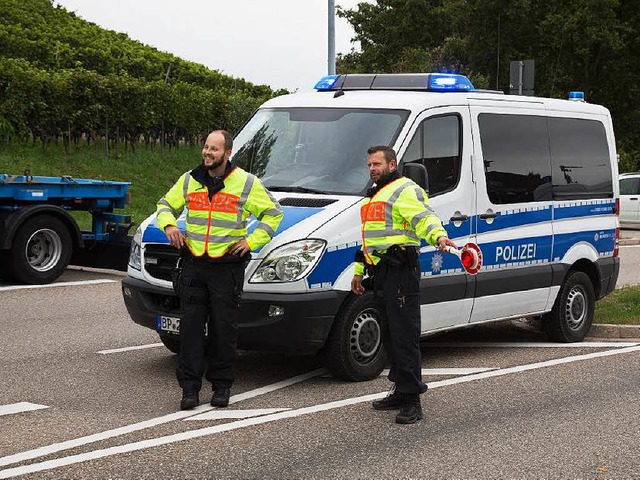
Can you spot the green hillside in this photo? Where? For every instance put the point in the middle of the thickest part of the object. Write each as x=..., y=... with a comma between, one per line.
x=80, y=100
x=63, y=78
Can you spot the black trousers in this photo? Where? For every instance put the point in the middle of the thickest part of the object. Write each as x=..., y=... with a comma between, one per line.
x=210, y=295
x=397, y=291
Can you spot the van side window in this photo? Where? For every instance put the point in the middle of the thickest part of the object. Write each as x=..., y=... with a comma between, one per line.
x=436, y=145
x=516, y=157
x=629, y=186
x=580, y=158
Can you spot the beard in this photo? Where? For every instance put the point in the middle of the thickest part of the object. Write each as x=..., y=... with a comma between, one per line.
x=215, y=162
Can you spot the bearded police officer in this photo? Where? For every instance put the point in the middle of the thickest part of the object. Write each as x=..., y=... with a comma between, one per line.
x=219, y=197
x=395, y=216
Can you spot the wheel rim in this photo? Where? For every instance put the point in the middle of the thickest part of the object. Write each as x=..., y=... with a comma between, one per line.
x=576, y=307
x=43, y=250
x=365, y=338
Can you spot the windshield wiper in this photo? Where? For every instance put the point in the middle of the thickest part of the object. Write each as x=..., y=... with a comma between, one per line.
x=296, y=189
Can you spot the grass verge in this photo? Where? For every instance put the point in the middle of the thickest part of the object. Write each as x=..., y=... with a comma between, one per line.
x=151, y=171
x=621, y=307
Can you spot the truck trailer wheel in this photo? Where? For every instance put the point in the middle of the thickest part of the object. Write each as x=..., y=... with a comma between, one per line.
x=41, y=250
x=354, y=350
x=572, y=313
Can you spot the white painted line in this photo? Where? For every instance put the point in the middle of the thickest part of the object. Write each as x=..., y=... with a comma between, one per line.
x=19, y=408
x=531, y=344
x=222, y=414
x=128, y=349
x=179, y=437
x=446, y=371
x=96, y=437
x=60, y=284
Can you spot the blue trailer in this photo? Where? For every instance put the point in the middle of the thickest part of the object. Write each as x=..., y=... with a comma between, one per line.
x=38, y=235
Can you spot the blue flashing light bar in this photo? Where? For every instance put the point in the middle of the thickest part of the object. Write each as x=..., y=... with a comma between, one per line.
x=576, y=96
x=326, y=83
x=431, y=82
x=449, y=82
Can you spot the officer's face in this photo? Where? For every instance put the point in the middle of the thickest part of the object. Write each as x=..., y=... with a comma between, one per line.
x=379, y=167
x=213, y=153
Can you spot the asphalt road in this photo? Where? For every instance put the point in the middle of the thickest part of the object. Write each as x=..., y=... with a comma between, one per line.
x=77, y=402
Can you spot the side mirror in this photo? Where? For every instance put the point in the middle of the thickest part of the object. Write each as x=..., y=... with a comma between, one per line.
x=418, y=173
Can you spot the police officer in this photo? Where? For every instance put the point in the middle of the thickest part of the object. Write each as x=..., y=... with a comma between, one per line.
x=215, y=249
x=395, y=216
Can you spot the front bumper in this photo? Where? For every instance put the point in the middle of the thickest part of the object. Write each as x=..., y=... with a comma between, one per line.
x=303, y=328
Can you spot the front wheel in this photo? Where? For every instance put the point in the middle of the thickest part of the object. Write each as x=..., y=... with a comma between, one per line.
x=354, y=350
x=572, y=313
x=172, y=342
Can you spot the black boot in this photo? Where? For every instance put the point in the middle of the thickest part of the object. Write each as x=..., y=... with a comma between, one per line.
x=189, y=400
x=392, y=401
x=220, y=397
x=410, y=411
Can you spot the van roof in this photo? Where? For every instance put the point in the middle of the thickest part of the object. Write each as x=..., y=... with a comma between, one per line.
x=418, y=101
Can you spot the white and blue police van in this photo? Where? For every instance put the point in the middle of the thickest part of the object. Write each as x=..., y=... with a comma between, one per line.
x=532, y=181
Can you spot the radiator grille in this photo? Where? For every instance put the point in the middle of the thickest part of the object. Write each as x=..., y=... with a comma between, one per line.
x=159, y=260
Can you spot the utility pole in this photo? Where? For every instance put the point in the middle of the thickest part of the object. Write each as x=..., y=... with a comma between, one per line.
x=331, y=61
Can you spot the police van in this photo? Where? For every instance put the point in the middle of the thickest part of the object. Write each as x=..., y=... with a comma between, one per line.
x=532, y=181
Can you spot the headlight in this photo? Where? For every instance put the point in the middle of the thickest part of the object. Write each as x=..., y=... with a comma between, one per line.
x=290, y=262
x=135, y=258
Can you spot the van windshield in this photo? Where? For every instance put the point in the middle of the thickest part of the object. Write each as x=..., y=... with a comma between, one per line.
x=314, y=150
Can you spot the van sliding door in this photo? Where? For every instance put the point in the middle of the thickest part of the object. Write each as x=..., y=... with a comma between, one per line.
x=512, y=169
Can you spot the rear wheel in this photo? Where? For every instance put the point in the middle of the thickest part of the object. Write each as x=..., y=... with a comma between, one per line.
x=354, y=349
x=572, y=313
x=40, y=251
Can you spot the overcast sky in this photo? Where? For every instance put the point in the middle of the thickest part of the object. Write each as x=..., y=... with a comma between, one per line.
x=280, y=43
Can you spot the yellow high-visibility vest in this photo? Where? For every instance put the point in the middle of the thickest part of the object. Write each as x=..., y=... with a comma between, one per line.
x=212, y=226
x=398, y=214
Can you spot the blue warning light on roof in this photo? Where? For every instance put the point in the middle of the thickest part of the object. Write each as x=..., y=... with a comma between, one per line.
x=326, y=83
x=576, y=96
x=449, y=82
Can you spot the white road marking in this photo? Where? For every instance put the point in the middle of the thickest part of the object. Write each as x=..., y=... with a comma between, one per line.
x=20, y=407
x=531, y=344
x=446, y=371
x=60, y=284
x=179, y=437
x=96, y=437
x=222, y=414
x=128, y=349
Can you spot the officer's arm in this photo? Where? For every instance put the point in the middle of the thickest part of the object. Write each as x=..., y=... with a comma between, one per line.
x=414, y=207
x=268, y=212
x=169, y=207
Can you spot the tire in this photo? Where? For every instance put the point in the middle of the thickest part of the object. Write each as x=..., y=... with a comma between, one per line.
x=41, y=250
x=354, y=350
x=572, y=313
x=171, y=342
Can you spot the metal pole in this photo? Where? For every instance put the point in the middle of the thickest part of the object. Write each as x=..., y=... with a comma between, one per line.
x=331, y=61
x=520, y=75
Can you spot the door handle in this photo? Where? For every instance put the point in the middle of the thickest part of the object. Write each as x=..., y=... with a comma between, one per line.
x=633, y=198
x=486, y=216
x=459, y=218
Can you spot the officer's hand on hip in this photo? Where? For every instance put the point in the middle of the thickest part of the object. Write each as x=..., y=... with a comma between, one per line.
x=445, y=242
x=174, y=235
x=240, y=248
x=356, y=285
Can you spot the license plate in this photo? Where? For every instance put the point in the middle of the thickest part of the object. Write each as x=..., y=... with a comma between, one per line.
x=168, y=324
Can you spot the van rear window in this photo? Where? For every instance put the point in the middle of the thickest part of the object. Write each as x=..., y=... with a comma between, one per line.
x=580, y=158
